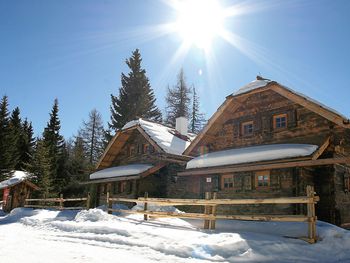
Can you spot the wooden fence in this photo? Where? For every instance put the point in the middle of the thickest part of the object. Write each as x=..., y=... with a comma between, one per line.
x=48, y=203
x=211, y=202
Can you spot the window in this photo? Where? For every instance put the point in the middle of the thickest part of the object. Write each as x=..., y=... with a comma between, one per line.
x=280, y=121
x=131, y=150
x=247, y=128
x=146, y=148
x=262, y=179
x=227, y=181
x=122, y=186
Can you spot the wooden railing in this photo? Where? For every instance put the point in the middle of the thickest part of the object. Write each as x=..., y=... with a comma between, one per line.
x=48, y=203
x=211, y=202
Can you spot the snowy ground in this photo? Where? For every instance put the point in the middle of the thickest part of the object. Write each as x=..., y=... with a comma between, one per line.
x=94, y=236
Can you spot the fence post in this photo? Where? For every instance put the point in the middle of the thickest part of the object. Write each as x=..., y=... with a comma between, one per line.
x=88, y=201
x=145, y=206
x=311, y=214
x=207, y=210
x=108, y=204
x=213, y=212
x=61, y=202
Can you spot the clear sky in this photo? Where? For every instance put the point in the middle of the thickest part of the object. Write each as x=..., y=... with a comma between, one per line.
x=76, y=51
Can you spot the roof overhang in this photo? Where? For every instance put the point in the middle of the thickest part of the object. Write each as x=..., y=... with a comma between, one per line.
x=278, y=164
x=125, y=173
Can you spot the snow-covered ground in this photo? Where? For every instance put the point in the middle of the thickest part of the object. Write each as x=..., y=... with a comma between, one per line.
x=28, y=235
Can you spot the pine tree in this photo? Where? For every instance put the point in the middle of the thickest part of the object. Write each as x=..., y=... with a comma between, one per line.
x=41, y=168
x=5, y=153
x=27, y=144
x=16, y=135
x=54, y=143
x=93, y=134
x=197, y=118
x=178, y=100
x=136, y=98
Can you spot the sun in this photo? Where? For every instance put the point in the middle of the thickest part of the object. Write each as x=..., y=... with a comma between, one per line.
x=199, y=21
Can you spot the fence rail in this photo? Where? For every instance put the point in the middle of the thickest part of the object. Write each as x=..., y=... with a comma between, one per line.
x=211, y=202
x=46, y=203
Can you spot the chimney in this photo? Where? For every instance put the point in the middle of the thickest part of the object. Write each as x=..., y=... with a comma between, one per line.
x=182, y=125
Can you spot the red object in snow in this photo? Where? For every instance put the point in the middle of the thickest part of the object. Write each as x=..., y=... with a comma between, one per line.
x=5, y=195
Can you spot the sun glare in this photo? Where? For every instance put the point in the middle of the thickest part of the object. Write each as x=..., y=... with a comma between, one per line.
x=199, y=21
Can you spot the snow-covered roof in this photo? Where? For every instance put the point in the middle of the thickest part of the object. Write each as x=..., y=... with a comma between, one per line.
x=252, y=154
x=123, y=170
x=15, y=178
x=260, y=83
x=165, y=137
x=251, y=86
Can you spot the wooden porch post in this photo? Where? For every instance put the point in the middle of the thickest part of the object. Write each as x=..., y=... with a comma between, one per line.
x=311, y=214
x=207, y=210
x=145, y=217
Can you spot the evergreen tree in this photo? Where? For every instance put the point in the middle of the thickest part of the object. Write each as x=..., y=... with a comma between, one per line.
x=5, y=154
x=178, y=100
x=197, y=118
x=16, y=136
x=27, y=144
x=54, y=143
x=41, y=168
x=136, y=98
x=93, y=136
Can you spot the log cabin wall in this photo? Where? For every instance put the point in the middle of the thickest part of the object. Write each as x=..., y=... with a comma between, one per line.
x=135, y=151
x=303, y=125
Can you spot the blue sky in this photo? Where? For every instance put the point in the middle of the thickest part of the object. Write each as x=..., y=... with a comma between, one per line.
x=76, y=51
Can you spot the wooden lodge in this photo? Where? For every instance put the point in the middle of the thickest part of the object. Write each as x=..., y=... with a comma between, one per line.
x=144, y=156
x=267, y=141
x=16, y=189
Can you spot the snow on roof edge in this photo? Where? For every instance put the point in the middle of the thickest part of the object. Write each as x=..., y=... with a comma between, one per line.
x=122, y=170
x=251, y=154
x=16, y=178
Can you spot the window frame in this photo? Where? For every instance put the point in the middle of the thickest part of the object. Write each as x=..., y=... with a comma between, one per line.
x=131, y=150
x=262, y=173
x=279, y=116
x=227, y=176
x=243, y=125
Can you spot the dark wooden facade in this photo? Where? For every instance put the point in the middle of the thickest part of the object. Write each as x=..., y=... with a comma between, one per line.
x=273, y=114
x=17, y=194
x=134, y=146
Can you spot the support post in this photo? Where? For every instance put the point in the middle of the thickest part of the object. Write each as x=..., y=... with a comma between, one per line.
x=145, y=216
x=88, y=199
x=108, y=203
x=213, y=212
x=311, y=214
x=61, y=201
x=207, y=211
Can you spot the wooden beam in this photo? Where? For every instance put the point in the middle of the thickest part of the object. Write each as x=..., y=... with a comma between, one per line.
x=312, y=106
x=149, y=139
x=232, y=169
x=152, y=170
x=321, y=149
x=113, y=179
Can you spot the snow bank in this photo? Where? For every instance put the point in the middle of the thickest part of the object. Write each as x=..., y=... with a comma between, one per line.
x=123, y=170
x=165, y=137
x=252, y=154
x=91, y=235
x=15, y=178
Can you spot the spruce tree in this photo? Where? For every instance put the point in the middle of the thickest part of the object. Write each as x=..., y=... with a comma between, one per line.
x=27, y=144
x=197, y=118
x=5, y=147
x=41, y=168
x=16, y=135
x=178, y=100
x=54, y=143
x=136, y=98
x=93, y=134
